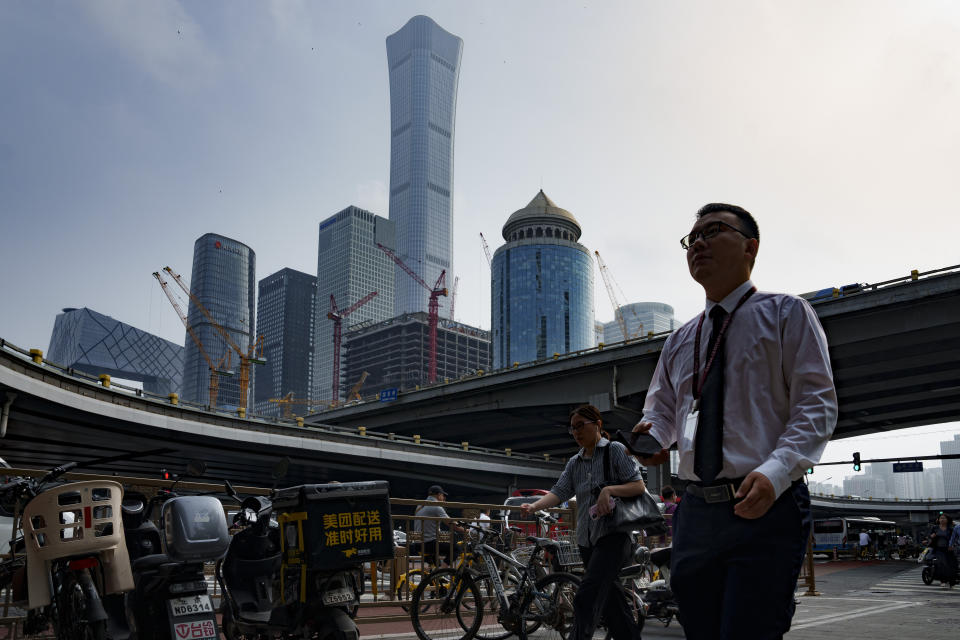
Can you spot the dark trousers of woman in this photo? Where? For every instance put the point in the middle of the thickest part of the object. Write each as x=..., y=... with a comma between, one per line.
x=945, y=566
x=600, y=593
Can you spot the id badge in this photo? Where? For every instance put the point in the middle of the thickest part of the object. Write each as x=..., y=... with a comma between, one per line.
x=690, y=429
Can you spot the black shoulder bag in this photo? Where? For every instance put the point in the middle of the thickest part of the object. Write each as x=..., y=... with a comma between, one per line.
x=632, y=513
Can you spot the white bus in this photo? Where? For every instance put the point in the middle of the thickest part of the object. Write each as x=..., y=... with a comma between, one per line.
x=843, y=534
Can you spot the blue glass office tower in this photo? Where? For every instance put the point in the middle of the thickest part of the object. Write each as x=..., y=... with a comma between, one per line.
x=285, y=308
x=542, y=286
x=224, y=280
x=94, y=343
x=349, y=266
x=424, y=63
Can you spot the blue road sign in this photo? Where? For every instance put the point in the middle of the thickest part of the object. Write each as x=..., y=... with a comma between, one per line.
x=907, y=467
x=387, y=395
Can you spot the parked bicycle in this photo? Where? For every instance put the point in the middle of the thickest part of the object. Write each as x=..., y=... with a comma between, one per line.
x=449, y=604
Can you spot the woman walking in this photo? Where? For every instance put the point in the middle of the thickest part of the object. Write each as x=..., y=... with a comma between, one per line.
x=603, y=551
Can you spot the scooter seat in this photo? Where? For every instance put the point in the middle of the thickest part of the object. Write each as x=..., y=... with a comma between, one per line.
x=150, y=562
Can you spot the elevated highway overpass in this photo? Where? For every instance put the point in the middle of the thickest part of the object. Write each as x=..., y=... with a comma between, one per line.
x=55, y=417
x=895, y=350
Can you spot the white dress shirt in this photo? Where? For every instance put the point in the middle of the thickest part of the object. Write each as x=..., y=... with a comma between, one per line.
x=780, y=403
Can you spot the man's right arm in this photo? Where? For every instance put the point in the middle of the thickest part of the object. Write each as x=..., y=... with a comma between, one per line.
x=660, y=408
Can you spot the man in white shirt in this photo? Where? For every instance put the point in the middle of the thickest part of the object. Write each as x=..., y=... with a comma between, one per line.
x=864, y=544
x=746, y=392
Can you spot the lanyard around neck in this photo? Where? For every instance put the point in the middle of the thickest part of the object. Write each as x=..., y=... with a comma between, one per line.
x=699, y=382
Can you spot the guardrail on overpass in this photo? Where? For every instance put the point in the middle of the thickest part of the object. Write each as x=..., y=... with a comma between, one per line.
x=58, y=415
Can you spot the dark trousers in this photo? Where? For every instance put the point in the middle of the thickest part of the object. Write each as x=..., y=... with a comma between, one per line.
x=735, y=578
x=599, y=590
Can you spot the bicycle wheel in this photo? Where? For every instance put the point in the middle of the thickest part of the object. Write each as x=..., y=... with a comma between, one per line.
x=446, y=606
x=492, y=629
x=551, y=605
x=635, y=606
x=71, y=621
x=406, y=587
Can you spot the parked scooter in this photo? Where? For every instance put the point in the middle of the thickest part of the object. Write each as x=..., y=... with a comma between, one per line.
x=656, y=599
x=75, y=551
x=170, y=600
x=295, y=570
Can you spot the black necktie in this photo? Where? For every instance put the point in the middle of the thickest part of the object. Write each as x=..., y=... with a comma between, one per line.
x=708, y=448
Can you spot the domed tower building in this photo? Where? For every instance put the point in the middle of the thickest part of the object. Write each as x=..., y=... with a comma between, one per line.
x=542, y=286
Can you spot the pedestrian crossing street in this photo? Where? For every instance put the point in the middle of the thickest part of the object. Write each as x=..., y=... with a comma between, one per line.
x=909, y=583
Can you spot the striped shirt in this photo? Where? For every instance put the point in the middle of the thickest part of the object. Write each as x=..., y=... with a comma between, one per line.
x=582, y=474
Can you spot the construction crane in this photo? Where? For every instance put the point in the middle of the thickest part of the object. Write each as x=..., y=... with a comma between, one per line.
x=453, y=296
x=337, y=316
x=486, y=250
x=253, y=355
x=355, y=389
x=609, y=282
x=216, y=370
x=433, y=308
x=288, y=401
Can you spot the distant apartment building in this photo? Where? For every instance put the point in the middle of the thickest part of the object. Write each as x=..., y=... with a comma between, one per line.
x=224, y=280
x=951, y=468
x=865, y=486
x=395, y=353
x=641, y=319
x=286, y=303
x=933, y=483
x=349, y=267
x=541, y=286
x=424, y=67
x=94, y=343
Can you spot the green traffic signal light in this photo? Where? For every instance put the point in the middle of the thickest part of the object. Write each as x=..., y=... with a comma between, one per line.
x=856, y=461
x=810, y=470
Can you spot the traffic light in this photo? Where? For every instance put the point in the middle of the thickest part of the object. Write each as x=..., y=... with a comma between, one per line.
x=164, y=474
x=856, y=461
x=810, y=470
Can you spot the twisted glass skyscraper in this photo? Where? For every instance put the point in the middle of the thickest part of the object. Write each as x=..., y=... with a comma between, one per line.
x=424, y=63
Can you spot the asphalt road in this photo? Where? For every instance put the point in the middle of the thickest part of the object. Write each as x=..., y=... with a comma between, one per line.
x=876, y=600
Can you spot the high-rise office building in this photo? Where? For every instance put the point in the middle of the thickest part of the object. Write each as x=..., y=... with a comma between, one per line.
x=542, y=286
x=349, y=266
x=393, y=353
x=424, y=64
x=224, y=280
x=641, y=318
x=951, y=468
x=94, y=343
x=932, y=483
x=285, y=318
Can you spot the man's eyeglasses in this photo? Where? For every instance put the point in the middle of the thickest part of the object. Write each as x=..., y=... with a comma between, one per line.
x=707, y=232
x=572, y=429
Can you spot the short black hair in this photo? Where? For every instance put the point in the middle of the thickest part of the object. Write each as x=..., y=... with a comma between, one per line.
x=667, y=492
x=749, y=223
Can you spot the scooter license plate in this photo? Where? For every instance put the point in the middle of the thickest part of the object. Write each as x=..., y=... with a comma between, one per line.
x=191, y=605
x=338, y=596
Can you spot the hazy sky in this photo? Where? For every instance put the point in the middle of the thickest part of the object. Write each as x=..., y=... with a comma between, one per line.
x=131, y=128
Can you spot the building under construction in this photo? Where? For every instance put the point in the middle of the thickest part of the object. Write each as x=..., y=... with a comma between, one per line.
x=395, y=352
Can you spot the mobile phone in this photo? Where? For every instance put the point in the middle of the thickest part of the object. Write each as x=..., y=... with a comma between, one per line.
x=639, y=444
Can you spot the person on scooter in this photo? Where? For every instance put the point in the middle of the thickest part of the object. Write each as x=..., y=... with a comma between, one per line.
x=603, y=553
x=945, y=563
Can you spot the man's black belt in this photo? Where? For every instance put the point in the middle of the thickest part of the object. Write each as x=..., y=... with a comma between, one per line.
x=720, y=490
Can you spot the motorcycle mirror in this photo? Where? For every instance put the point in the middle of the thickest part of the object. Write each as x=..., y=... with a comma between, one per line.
x=196, y=468
x=280, y=469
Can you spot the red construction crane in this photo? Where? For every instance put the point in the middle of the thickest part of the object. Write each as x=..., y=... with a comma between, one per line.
x=433, y=308
x=337, y=316
x=254, y=355
x=216, y=370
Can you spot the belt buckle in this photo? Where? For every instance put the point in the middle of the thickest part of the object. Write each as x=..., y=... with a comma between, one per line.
x=719, y=493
